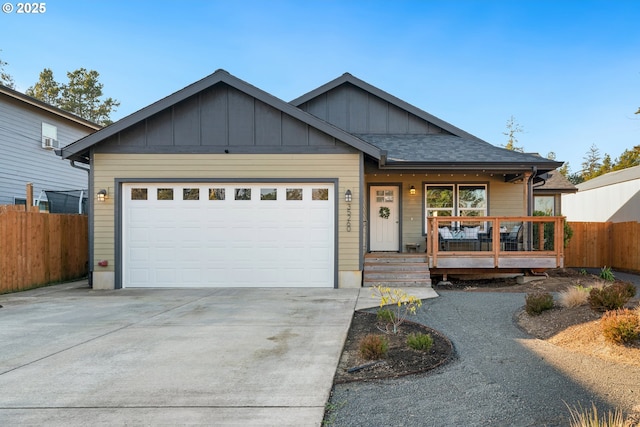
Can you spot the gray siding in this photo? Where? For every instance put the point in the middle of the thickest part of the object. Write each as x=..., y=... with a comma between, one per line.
x=22, y=158
x=217, y=119
x=357, y=111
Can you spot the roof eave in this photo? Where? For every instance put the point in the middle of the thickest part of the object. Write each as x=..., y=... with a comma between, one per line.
x=472, y=166
x=49, y=108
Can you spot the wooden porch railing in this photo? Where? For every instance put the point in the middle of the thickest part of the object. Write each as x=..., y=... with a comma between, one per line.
x=521, y=242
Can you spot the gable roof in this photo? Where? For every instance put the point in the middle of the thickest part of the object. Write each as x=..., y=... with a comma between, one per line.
x=79, y=150
x=611, y=178
x=28, y=100
x=461, y=150
x=555, y=183
x=349, y=78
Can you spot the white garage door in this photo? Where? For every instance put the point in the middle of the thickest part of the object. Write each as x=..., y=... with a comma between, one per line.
x=226, y=235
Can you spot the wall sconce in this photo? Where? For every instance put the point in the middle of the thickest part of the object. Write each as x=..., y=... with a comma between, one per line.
x=102, y=195
x=412, y=190
x=348, y=196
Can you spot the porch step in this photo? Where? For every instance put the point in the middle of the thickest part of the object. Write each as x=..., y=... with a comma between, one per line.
x=396, y=270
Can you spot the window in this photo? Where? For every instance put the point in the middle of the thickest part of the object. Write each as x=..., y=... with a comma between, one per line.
x=294, y=193
x=320, y=194
x=49, y=136
x=216, y=194
x=268, y=194
x=165, y=193
x=455, y=200
x=243, y=194
x=138, y=194
x=190, y=194
x=544, y=205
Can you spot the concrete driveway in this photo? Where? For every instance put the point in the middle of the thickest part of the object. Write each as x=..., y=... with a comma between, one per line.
x=70, y=355
x=73, y=356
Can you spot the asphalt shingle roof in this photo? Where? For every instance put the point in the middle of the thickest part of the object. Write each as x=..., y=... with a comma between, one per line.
x=439, y=148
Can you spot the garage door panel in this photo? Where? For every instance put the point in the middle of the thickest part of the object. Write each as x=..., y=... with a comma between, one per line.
x=229, y=242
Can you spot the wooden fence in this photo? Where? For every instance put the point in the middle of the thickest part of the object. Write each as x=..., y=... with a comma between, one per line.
x=599, y=244
x=40, y=248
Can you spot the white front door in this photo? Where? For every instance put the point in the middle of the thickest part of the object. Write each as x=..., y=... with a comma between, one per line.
x=384, y=218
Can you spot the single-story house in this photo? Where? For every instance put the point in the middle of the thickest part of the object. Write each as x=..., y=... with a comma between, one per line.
x=30, y=132
x=224, y=184
x=612, y=197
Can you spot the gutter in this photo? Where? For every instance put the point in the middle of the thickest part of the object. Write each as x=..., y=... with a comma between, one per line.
x=73, y=165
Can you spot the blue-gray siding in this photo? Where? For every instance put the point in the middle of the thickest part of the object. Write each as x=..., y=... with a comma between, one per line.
x=217, y=119
x=357, y=111
x=22, y=158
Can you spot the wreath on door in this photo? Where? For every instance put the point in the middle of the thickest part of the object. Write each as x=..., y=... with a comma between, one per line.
x=384, y=212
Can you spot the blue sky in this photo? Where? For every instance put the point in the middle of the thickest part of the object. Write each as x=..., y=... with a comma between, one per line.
x=568, y=71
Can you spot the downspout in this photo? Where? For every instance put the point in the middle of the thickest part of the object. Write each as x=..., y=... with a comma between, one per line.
x=88, y=171
x=534, y=171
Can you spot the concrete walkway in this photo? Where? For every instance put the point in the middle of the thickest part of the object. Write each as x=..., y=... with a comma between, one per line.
x=70, y=355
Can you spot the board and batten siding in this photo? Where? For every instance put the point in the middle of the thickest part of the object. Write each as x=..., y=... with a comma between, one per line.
x=505, y=199
x=23, y=159
x=357, y=111
x=344, y=167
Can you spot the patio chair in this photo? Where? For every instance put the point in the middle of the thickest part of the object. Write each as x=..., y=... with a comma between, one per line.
x=511, y=240
x=486, y=238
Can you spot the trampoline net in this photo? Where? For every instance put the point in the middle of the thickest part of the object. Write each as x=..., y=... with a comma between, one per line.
x=67, y=202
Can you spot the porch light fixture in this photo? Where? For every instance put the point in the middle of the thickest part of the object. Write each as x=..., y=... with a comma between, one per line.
x=102, y=195
x=348, y=196
x=412, y=190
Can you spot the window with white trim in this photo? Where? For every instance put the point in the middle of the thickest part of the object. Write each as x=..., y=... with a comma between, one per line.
x=49, y=137
x=455, y=200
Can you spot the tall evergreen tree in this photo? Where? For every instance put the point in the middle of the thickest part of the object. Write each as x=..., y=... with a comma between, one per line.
x=513, y=128
x=80, y=96
x=46, y=89
x=591, y=164
x=628, y=159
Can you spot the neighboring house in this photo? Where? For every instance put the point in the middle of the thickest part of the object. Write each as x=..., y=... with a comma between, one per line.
x=548, y=194
x=223, y=184
x=612, y=197
x=30, y=132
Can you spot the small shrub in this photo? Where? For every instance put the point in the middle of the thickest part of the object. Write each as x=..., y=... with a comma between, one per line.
x=538, y=302
x=610, y=297
x=574, y=296
x=385, y=315
x=400, y=304
x=607, y=274
x=422, y=342
x=628, y=289
x=585, y=417
x=620, y=326
x=373, y=347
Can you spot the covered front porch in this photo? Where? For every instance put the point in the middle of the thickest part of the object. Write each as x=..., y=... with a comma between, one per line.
x=494, y=244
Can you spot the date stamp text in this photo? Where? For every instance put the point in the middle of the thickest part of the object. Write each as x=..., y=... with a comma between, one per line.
x=24, y=8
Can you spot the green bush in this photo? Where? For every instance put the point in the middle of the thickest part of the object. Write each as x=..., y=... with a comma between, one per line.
x=620, y=326
x=538, y=302
x=607, y=274
x=611, y=297
x=373, y=347
x=422, y=342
